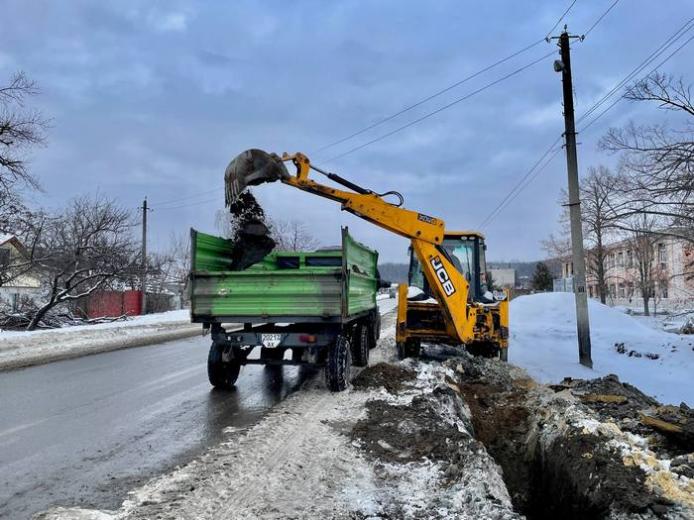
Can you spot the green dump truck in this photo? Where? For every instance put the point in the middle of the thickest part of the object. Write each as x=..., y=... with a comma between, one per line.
x=318, y=306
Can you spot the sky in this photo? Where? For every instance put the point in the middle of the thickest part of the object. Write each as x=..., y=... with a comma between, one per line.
x=155, y=98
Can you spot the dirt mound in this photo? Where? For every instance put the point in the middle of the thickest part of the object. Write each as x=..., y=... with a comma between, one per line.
x=392, y=377
x=669, y=428
x=553, y=467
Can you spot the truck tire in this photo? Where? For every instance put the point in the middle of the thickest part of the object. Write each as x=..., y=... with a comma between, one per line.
x=409, y=348
x=338, y=365
x=221, y=375
x=361, y=342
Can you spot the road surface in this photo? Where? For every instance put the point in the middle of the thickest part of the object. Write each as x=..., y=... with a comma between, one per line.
x=85, y=431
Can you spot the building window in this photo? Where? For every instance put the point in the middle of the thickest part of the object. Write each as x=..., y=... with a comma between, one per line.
x=622, y=291
x=662, y=255
x=620, y=259
x=630, y=289
x=630, y=258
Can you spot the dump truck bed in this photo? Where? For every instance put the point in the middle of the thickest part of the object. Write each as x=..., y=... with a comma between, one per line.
x=332, y=285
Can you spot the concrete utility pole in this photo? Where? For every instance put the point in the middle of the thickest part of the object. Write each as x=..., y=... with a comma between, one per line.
x=143, y=272
x=579, y=263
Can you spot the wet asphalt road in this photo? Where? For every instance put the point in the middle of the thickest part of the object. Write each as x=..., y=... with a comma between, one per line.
x=85, y=431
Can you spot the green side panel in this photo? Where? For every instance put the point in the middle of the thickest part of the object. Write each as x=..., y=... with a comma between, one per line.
x=313, y=285
x=266, y=293
x=361, y=265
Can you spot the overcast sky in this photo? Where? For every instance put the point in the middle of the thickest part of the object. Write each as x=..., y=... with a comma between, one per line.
x=154, y=98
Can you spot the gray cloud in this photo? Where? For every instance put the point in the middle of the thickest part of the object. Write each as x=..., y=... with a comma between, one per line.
x=154, y=99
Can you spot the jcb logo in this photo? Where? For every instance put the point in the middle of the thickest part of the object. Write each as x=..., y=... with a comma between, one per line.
x=442, y=275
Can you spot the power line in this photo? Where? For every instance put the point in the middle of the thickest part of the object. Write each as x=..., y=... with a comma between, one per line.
x=448, y=88
x=649, y=59
x=187, y=197
x=429, y=98
x=603, y=15
x=560, y=19
x=590, y=123
x=519, y=187
x=189, y=205
x=441, y=109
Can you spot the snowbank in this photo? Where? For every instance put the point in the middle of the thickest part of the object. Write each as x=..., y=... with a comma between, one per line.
x=21, y=349
x=543, y=341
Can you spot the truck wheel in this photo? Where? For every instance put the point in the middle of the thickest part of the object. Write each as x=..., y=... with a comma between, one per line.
x=338, y=365
x=221, y=375
x=410, y=348
x=272, y=354
x=361, y=342
x=375, y=330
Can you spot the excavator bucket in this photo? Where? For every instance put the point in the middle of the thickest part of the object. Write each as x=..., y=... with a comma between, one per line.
x=251, y=168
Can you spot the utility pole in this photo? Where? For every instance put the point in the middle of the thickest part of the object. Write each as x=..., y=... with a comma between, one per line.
x=579, y=262
x=143, y=271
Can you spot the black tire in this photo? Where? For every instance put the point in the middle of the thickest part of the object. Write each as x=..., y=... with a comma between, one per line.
x=410, y=348
x=272, y=354
x=338, y=366
x=361, y=342
x=221, y=375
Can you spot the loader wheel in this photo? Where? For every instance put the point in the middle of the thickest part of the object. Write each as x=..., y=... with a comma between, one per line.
x=503, y=354
x=361, y=341
x=410, y=348
x=338, y=365
x=222, y=375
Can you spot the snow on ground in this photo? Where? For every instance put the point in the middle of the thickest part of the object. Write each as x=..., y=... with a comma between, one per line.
x=21, y=348
x=543, y=341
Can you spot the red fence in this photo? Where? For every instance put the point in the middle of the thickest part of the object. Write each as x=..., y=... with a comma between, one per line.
x=114, y=303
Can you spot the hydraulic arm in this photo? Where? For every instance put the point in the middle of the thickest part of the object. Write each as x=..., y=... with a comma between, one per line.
x=447, y=284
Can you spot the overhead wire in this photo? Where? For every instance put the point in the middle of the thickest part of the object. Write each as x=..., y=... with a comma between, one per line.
x=519, y=187
x=560, y=19
x=440, y=109
x=603, y=15
x=430, y=97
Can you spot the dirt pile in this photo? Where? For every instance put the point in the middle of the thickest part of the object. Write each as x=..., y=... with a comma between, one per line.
x=670, y=429
x=392, y=377
x=558, y=460
x=250, y=233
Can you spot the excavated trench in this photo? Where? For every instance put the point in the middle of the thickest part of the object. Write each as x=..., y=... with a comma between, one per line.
x=551, y=468
x=554, y=464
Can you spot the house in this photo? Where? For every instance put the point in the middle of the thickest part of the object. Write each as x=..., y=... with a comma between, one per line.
x=664, y=264
x=16, y=278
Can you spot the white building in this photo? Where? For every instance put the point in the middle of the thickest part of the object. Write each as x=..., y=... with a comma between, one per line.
x=670, y=273
x=18, y=280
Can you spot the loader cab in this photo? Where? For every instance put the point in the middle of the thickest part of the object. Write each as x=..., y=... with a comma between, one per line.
x=466, y=250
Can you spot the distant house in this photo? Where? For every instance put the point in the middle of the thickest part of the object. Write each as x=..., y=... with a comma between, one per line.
x=16, y=278
x=670, y=271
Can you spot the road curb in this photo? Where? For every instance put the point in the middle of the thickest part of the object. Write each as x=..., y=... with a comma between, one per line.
x=98, y=347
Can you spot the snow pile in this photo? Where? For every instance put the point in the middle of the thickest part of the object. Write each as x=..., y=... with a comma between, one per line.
x=22, y=348
x=543, y=341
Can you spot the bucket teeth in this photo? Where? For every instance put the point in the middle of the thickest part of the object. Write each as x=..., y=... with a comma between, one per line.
x=251, y=168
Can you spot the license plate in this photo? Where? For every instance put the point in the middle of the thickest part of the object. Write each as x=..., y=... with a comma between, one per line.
x=271, y=340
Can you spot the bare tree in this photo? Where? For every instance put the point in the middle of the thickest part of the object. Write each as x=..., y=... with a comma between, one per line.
x=170, y=268
x=292, y=235
x=597, y=197
x=657, y=162
x=20, y=128
x=87, y=247
x=643, y=240
x=597, y=194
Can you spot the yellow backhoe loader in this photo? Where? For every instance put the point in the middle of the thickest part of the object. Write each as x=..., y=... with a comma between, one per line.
x=454, y=306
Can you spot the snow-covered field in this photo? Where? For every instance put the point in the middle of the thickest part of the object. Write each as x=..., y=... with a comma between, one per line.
x=21, y=348
x=543, y=341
